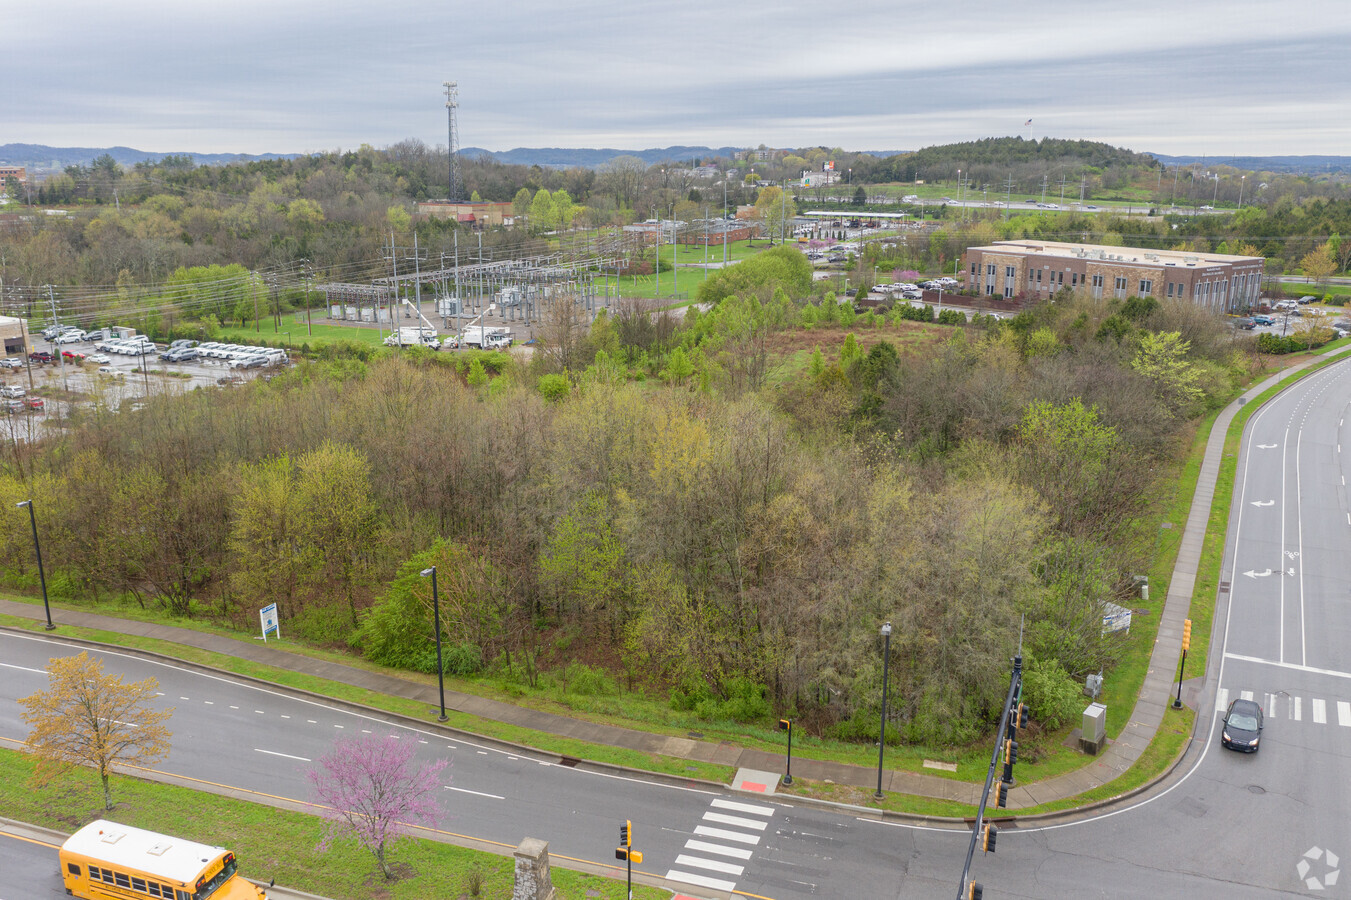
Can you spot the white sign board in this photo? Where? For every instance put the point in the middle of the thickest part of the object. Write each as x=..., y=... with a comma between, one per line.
x=1115, y=618
x=269, y=616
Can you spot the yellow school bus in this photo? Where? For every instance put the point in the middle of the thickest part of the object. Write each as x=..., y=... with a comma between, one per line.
x=108, y=861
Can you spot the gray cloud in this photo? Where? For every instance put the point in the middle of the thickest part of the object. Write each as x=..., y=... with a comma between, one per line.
x=1245, y=76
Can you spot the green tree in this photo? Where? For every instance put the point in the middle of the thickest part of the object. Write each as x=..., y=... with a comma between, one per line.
x=582, y=562
x=543, y=213
x=338, y=525
x=1162, y=358
x=1319, y=263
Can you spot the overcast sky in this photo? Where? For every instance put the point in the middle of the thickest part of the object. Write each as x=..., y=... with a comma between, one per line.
x=1239, y=77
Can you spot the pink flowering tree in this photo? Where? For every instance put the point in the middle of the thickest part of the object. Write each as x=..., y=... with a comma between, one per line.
x=373, y=790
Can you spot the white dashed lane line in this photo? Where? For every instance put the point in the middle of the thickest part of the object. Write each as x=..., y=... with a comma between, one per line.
x=283, y=755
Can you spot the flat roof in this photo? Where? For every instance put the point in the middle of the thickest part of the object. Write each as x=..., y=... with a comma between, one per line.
x=170, y=858
x=1106, y=253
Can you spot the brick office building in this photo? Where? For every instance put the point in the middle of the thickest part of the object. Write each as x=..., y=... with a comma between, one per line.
x=1029, y=268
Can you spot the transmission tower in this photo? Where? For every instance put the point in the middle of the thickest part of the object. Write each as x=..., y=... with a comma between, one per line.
x=452, y=102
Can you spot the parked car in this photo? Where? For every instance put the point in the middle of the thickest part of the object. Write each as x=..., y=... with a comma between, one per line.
x=70, y=337
x=1263, y=320
x=110, y=372
x=12, y=363
x=100, y=358
x=71, y=355
x=1246, y=324
x=1307, y=299
x=1242, y=726
x=12, y=392
x=41, y=356
x=35, y=403
x=13, y=406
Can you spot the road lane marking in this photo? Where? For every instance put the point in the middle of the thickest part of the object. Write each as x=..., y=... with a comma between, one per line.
x=1285, y=665
x=209, y=702
x=38, y=670
x=738, y=821
x=712, y=865
x=726, y=835
x=1299, y=536
x=743, y=807
x=475, y=793
x=1320, y=711
x=1221, y=699
x=1245, y=695
x=285, y=755
x=719, y=849
x=1344, y=714
x=260, y=712
x=716, y=884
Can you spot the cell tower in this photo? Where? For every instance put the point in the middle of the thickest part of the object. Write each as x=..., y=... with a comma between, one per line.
x=452, y=102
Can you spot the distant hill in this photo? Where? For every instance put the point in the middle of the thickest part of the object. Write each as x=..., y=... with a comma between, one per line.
x=1294, y=165
x=588, y=158
x=43, y=157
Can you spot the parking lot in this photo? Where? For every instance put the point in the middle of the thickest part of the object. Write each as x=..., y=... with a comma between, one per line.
x=122, y=379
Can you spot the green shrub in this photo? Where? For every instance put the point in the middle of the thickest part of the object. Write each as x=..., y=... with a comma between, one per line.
x=745, y=703
x=462, y=659
x=586, y=681
x=690, y=693
x=554, y=387
x=1053, y=697
x=952, y=317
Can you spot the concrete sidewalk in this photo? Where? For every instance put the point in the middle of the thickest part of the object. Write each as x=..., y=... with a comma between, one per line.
x=1119, y=756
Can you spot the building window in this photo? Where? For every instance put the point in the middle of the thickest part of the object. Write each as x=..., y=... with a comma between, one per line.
x=1074, y=279
x=1008, y=291
x=1060, y=279
x=1097, y=286
x=1120, y=287
x=989, y=289
x=1170, y=289
x=1181, y=291
x=975, y=269
x=1008, y=271
x=1031, y=276
x=989, y=270
x=1146, y=287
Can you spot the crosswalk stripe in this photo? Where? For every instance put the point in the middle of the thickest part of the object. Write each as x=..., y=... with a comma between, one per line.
x=1344, y=714
x=711, y=864
x=1246, y=695
x=1270, y=704
x=726, y=835
x=743, y=807
x=734, y=820
x=1222, y=699
x=701, y=880
x=719, y=849
x=1298, y=707
x=1320, y=711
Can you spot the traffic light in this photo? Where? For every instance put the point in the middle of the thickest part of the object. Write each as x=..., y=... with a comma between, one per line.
x=1010, y=752
x=975, y=891
x=1001, y=794
x=991, y=833
x=624, y=854
x=626, y=833
x=785, y=725
x=1187, y=634
x=1020, y=715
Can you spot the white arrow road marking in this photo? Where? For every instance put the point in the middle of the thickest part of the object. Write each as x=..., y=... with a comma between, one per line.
x=1252, y=574
x=1264, y=503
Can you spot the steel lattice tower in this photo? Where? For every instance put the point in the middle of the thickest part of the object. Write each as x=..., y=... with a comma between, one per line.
x=452, y=102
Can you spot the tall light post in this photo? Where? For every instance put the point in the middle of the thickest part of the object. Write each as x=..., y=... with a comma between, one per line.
x=37, y=548
x=1243, y=179
x=1215, y=194
x=436, y=619
x=882, y=734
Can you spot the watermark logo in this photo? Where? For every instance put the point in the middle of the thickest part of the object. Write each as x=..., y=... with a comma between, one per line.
x=1328, y=870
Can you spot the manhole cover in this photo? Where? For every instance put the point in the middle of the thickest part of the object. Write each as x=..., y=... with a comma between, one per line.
x=695, y=734
x=1140, y=612
x=1224, y=587
x=1256, y=789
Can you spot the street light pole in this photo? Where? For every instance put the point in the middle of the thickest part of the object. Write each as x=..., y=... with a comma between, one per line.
x=436, y=618
x=37, y=548
x=882, y=734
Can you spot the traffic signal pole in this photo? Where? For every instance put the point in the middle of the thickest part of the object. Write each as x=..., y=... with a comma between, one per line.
x=1015, y=685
